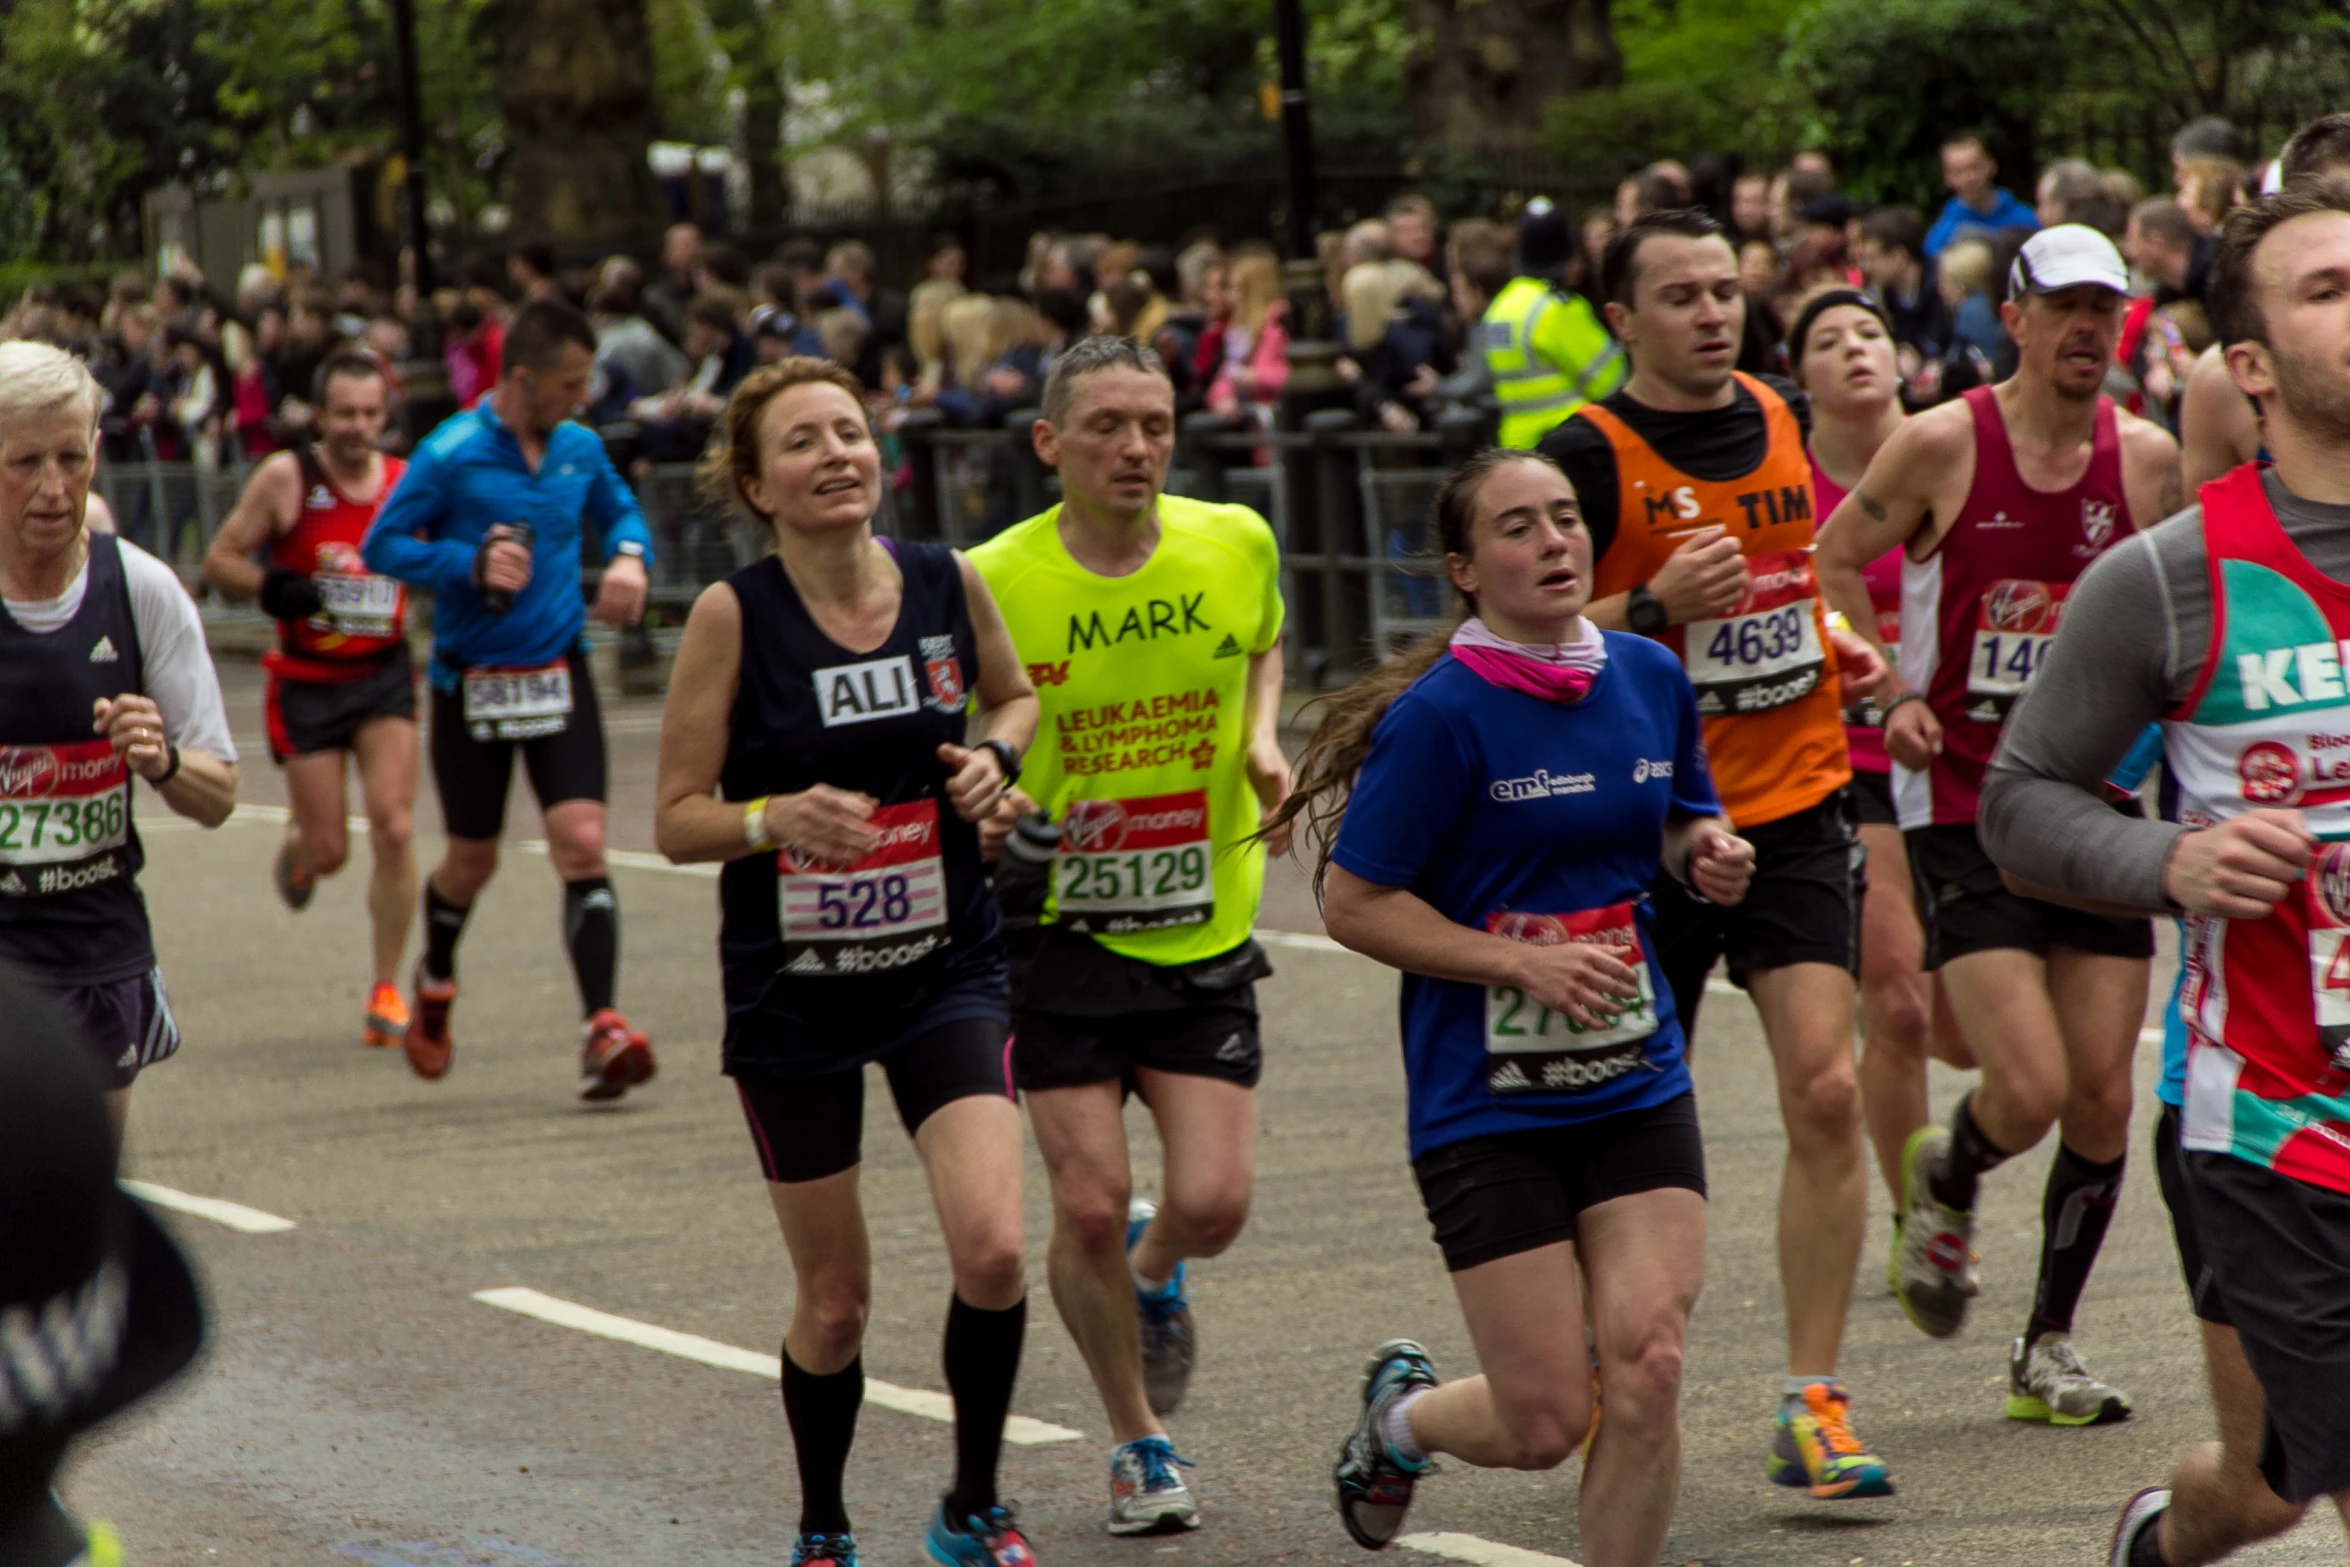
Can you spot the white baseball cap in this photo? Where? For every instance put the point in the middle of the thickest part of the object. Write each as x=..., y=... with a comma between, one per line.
x=2067, y=256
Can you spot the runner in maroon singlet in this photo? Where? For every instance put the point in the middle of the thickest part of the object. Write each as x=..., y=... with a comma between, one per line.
x=340, y=679
x=1999, y=500
x=1841, y=349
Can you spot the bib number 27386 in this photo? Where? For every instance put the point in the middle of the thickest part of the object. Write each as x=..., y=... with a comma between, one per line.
x=882, y=913
x=1529, y=1049
x=1766, y=652
x=64, y=816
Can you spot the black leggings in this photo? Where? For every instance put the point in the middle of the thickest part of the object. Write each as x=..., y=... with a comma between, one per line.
x=807, y=1128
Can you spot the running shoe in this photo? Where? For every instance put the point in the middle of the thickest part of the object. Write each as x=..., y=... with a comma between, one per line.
x=1813, y=1448
x=613, y=1058
x=1893, y=1262
x=1169, y=1346
x=1374, y=1486
x=1936, y=1262
x=825, y=1550
x=387, y=1018
x=2046, y=1381
x=1147, y=1496
x=2139, y=1514
x=991, y=1540
x=293, y=879
x=426, y=1043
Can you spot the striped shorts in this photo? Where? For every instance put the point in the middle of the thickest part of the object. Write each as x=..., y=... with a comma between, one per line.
x=126, y=1023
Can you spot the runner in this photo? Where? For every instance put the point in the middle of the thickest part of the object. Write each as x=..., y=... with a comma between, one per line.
x=1999, y=500
x=1695, y=486
x=489, y=516
x=103, y=673
x=1491, y=812
x=1152, y=628
x=2247, y=728
x=340, y=681
x=2218, y=427
x=1855, y=391
x=801, y=747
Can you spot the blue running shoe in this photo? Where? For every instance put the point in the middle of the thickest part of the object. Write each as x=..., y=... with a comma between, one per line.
x=1170, y=1347
x=1374, y=1486
x=825, y=1550
x=992, y=1539
x=1147, y=1496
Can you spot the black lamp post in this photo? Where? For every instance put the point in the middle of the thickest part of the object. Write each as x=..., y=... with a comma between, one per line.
x=424, y=378
x=1313, y=355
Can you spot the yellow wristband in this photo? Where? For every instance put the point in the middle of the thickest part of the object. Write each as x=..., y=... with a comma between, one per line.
x=1837, y=622
x=755, y=831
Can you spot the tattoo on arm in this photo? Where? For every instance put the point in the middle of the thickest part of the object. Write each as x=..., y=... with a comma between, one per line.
x=1870, y=504
x=2174, y=490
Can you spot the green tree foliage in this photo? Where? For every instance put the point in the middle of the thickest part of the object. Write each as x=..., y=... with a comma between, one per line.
x=1698, y=74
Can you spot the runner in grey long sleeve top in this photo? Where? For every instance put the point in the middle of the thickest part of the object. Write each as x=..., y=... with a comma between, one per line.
x=2134, y=635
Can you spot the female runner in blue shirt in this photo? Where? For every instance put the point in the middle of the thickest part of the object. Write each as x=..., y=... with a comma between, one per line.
x=815, y=740
x=1491, y=812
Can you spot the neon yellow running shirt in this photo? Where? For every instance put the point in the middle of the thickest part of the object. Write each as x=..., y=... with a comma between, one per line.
x=1140, y=752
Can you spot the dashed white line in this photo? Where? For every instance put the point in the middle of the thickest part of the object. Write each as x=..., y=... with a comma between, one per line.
x=1300, y=940
x=1480, y=1553
x=1018, y=1429
x=235, y=1215
x=280, y=815
x=633, y=859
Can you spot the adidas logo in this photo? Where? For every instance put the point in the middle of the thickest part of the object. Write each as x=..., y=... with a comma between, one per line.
x=321, y=499
x=1228, y=648
x=104, y=652
x=12, y=884
x=128, y=1058
x=1234, y=1049
x=806, y=963
x=1510, y=1076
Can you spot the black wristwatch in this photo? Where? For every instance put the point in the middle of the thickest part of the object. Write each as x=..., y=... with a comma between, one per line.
x=1006, y=758
x=1644, y=612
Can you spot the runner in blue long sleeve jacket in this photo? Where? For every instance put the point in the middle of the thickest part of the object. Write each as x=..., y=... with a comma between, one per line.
x=492, y=515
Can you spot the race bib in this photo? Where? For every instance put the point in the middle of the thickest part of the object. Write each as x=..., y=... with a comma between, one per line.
x=1766, y=652
x=62, y=807
x=882, y=913
x=2328, y=903
x=2013, y=626
x=518, y=704
x=358, y=604
x=1133, y=865
x=1529, y=1049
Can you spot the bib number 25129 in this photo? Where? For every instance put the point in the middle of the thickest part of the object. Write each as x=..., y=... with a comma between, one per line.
x=1131, y=865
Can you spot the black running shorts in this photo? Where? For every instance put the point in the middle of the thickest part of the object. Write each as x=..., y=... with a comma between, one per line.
x=308, y=716
x=1493, y=1197
x=1804, y=907
x=1966, y=908
x=2281, y=1251
x=1207, y=1039
x=2202, y=1285
x=806, y=1128
x=472, y=775
x=1872, y=798
x=126, y=1023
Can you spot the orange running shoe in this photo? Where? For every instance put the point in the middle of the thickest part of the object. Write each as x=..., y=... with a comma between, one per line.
x=387, y=1018
x=614, y=1057
x=427, y=1043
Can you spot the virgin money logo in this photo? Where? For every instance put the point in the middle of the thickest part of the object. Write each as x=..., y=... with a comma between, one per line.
x=338, y=555
x=1536, y=930
x=1095, y=827
x=27, y=772
x=2017, y=606
x=2333, y=881
x=2269, y=773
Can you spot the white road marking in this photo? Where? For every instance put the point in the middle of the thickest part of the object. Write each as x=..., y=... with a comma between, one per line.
x=235, y=1215
x=1481, y=1553
x=634, y=859
x=1301, y=940
x=280, y=815
x=2149, y=1036
x=1722, y=987
x=1019, y=1429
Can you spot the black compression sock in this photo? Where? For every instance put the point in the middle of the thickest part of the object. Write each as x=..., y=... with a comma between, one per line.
x=1972, y=1155
x=444, y=922
x=823, y=1415
x=982, y=1363
x=591, y=932
x=2074, y=1215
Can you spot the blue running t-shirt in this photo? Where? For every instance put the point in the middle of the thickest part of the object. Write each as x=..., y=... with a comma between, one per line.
x=1544, y=822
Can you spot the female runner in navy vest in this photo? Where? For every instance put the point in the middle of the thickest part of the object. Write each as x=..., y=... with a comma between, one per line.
x=1491, y=811
x=816, y=741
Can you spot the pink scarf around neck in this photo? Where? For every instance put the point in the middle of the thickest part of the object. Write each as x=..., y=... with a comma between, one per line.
x=1554, y=671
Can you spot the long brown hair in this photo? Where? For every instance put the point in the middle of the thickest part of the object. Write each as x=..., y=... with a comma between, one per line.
x=1324, y=778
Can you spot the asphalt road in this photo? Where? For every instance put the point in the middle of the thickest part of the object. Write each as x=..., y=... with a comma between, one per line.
x=358, y=1404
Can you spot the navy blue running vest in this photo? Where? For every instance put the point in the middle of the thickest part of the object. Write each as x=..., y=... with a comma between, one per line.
x=70, y=910
x=833, y=964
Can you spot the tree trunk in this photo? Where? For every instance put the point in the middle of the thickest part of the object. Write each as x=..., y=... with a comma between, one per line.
x=575, y=83
x=1484, y=68
x=763, y=147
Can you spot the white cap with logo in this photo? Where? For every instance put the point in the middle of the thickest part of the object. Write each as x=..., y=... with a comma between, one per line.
x=2067, y=256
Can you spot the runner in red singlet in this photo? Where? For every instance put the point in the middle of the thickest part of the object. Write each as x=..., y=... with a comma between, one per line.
x=340, y=679
x=1999, y=500
x=1841, y=349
